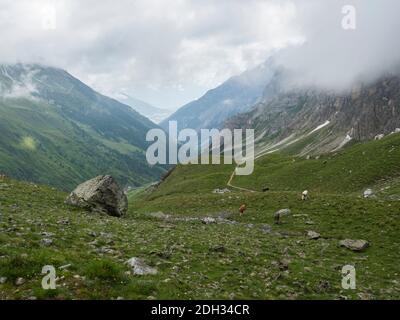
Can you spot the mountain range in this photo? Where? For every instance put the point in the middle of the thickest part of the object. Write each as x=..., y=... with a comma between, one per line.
x=237, y=94
x=311, y=121
x=58, y=131
x=155, y=114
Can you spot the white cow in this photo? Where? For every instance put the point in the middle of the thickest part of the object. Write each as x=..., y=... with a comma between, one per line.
x=304, y=195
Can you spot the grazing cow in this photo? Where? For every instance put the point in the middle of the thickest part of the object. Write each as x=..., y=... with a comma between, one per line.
x=281, y=213
x=242, y=209
x=304, y=195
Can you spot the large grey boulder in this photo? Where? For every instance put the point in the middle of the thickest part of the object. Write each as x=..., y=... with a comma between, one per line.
x=100, y=194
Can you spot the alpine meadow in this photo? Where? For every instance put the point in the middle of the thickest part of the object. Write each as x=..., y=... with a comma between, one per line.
x=210, y=151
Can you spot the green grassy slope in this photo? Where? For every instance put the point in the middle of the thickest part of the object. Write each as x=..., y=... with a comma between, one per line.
x=40, y=145
x=62, y=132
x=350, y=170
x=217, y=261
x=210, y=261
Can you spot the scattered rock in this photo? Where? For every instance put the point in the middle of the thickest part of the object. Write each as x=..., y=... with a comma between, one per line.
x=47, y=234
x=139, y=267
x=46, y=242
x=221, y=191
x=368, y=193
x=220, y=249
x=3, y=280
x=303, y=215
x=354, y=245
x=106, y=250
x=64, y=221
x=92, y=233
x=65, y=266
x=266, y=228
x=19, y=281
x=208, y=220
x=284, y=264
x=365, y=296
x=100, y=194
x=379, y=136
x=158, y=215
x=313, y=235
x=323, y=286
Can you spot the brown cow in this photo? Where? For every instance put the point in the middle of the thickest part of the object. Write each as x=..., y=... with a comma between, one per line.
x=242, y=209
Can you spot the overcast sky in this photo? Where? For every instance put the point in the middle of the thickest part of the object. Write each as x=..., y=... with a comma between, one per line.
x=169, y=52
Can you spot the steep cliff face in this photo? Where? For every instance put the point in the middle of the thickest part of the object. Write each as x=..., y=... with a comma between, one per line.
x=311, y=121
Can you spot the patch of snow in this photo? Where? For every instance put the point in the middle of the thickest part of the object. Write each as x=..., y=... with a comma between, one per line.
x=346, y=140
x=320, y=126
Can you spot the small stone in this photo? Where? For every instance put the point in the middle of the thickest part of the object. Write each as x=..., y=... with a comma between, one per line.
x=284, y=264
x=92, y=234
x=368, y=193
x=64, y=221
x=354, y=245
x=221, y=191
x=139, y=267
x=208, y=220
x=19, y=281
x=313, y=235
x=220, y=249
x=47, y=234
x=3, y=280
x=266, y=228
x=323, y=286
x=158, y=215
x=65, y=266
x=46, y=242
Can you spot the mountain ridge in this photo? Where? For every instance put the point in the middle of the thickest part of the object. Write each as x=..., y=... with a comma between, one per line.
x=58, y=131
x=237, y=94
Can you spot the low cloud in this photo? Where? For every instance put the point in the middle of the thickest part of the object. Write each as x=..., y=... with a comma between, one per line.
x=170, y=52
x=333, y=57
x=165, y=52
